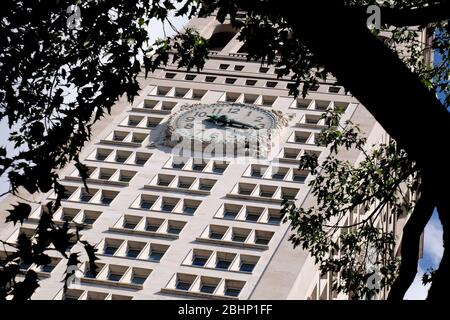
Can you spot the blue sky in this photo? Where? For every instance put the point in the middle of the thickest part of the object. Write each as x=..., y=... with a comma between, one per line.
x=433, y=248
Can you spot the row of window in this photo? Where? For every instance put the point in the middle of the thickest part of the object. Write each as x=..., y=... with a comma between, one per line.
x=43, y=270
x=184, y=183
x=319, y=105
x=236, y=236
x=76, y=294
x=276, y=173
x=93, y=196
x=166, y=204
x=294, y=154
x=149, y=226
x=219, y=260
x=120, y=275
x=78, y=216
x=238, y=212
x=103, y=175
x=264, y=191
x=261, y=100
x=119, y=156
x=178, y=92
x=248, y=82
x=183, y=283
x=196, y=164
x=126, y=138
x=137, y=121
x=132, y=249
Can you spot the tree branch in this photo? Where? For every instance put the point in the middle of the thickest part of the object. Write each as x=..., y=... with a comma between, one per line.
x=411, y=243
x=411, y=16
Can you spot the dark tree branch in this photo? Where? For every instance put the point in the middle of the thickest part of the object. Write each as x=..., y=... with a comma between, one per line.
x=411, y=243
x=375, y=75
x=411, y=16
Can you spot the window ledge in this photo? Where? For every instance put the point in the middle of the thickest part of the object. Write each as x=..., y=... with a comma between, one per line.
x=98, y=181
x=121, y=143
x=180, y=190
x=233, y=243
x=147, y=110
x=113, y=283
x=197, y=294
x=145, y=233
x=245, y=197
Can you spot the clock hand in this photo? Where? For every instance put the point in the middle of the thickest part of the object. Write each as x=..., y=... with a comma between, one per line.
x=243, y=124
x=225, y=121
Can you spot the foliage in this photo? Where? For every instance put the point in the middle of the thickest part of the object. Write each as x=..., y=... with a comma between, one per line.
x=57, y=82
x=342, y=231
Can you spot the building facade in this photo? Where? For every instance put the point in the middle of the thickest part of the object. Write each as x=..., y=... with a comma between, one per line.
x=172, y=227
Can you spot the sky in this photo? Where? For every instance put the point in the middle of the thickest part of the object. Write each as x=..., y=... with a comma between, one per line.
x=433, y=247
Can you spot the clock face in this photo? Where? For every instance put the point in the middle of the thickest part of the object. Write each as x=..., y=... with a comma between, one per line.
x=223, y=122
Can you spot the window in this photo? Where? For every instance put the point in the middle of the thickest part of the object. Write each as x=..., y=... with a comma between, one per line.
x=130, y=222
x=230, y=80
x=334, y=89
x=136, y=279
x=183, y=285
x=246, y=267
x=210, y=79
x=147, y=202
x=153, y=224
x=133, y=252
x=252, y=217
x=263, y=237
x=102, y=154
x=224, y=66
x=122, y=156
x=199, y=261
x=232, y=292
x=141, y=158
x=198, y=166
x=155, y=255
x=250, y=82
x=205, y=288
x=222, y=264
x=250, y=98
x=107, y=197
x=114, y=276
x=190, y=206
x=274, y=217
x=219, y=167
x=215, y=235
x=110, y=249
x=170, y=75
x=238, y=67
x=271, y=84
x=240, y=235
x=85, y=196
x=190, y=77
x=267, y=191
x=68, y=214
x=105, y=174
x=206, y=184
x=173, y=229
x=230, y=212
x=263, y=69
